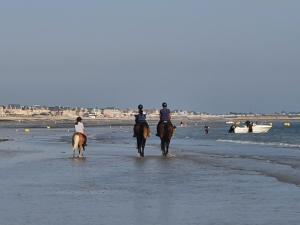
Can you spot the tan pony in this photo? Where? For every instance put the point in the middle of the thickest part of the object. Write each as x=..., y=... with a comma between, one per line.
x=78, y=142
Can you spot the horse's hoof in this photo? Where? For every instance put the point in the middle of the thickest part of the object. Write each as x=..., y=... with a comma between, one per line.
x=169, y=155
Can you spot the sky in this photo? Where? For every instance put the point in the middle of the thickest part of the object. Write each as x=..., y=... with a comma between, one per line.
x=211, y=56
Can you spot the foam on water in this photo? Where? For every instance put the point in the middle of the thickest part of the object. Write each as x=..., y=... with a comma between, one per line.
x=272, y=144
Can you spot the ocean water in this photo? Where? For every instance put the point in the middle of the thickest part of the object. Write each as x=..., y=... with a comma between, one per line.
x=218, y=178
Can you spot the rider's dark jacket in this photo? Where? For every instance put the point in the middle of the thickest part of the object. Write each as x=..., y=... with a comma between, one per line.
x=140, y=118
x=165, y=114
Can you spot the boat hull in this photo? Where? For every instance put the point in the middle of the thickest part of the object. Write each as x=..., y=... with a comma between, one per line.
x=256, y=129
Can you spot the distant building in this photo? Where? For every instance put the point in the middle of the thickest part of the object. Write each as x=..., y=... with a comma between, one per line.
x=14, y=106
x=70, y=113
x=2, y=111
x=112, y=113
x=95, y=113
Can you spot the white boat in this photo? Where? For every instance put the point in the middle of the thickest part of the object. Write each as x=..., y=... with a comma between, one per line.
x=229, y=122
x=256, y=129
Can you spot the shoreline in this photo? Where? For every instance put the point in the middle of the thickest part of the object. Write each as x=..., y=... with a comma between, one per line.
x=67, y=122
x=131, y=118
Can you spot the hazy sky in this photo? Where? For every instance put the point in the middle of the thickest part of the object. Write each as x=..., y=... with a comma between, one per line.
x=213, y=56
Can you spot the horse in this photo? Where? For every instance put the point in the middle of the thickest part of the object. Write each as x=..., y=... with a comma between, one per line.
x=78, y=142
x=142, y=132
x=166, y=131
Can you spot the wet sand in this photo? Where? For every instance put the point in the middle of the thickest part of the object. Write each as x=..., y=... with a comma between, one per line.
x=41, y=184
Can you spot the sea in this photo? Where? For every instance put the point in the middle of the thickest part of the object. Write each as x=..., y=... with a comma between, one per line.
x=214, y=178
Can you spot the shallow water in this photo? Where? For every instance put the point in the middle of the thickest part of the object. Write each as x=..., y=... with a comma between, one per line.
x=208, y=182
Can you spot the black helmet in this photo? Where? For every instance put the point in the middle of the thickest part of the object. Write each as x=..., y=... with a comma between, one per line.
x=164, y=105
x=78, y=119
x=140, y=106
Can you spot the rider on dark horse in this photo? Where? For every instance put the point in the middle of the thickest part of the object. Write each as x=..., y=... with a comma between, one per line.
x=140, y=118
x=165, y=116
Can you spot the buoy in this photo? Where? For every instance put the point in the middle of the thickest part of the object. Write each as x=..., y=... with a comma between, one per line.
x=48, y=127
x=26, y=130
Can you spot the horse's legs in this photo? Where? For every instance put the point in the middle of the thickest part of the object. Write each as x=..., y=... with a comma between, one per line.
x=143, y=146
x=142, y=151
x=75, y=144
x=167, y=148
x=80, y=149
x=163, y=146
x=138, y=145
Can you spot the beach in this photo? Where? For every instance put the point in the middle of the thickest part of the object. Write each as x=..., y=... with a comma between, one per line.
x=213, y=179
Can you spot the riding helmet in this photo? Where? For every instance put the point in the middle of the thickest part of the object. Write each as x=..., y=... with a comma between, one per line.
x=140, y=106
x=164, y=105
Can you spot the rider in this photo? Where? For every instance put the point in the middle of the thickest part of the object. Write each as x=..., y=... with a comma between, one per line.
x=165, y=116
x=140, y=119
x=79, y=128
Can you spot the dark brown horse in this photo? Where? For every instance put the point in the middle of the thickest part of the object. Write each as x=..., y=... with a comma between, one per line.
x=166, y=131
x=78, y=142
x=141, y=132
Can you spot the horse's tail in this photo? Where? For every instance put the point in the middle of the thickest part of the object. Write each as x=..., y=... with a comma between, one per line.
x=166, y=131
x=145, y=132
x=142, y=131
x=171, y=130
x=76, y=140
